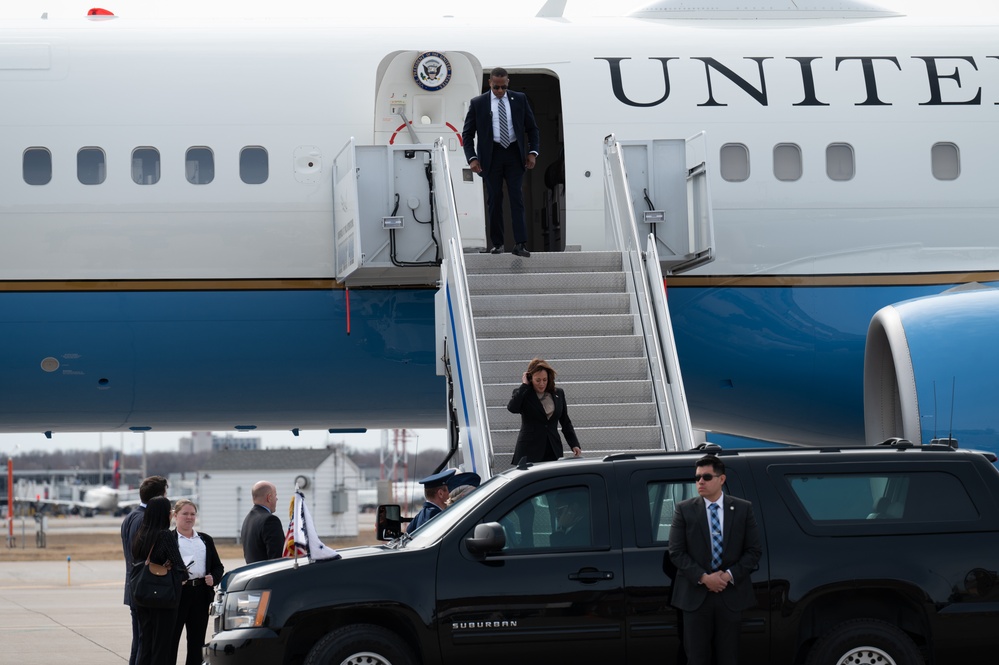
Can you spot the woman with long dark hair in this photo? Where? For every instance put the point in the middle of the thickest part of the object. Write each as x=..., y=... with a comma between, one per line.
x=542, y=408
x=155, y=541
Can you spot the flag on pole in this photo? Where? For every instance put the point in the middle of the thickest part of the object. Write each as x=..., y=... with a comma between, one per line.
x=291, y=551
x=302, y=539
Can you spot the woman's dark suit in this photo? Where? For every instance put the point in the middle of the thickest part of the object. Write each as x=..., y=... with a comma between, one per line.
x=538, y=439
x=156, y=624
x=195, y=597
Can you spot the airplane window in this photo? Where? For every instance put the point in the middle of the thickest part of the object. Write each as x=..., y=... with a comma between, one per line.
x=146, y=166
x=787, y=161
x=253, y=165
x=199, y=166
x=733, y=162
x=37, y=166
x=839, y=161
x=90, y=166
x=946, y=161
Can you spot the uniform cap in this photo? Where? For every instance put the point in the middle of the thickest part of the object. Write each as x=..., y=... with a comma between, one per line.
x=438, y=479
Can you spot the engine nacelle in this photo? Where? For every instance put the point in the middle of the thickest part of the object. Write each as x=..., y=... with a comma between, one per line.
x=931, y=369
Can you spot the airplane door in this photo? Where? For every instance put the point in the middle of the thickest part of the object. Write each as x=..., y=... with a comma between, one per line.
x=346, y=226
x=422, y=96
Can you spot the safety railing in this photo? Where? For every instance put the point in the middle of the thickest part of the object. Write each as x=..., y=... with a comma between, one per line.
x=456, y=324
x=657, y=331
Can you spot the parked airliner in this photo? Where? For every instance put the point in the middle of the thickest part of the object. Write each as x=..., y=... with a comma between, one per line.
x=166, y=228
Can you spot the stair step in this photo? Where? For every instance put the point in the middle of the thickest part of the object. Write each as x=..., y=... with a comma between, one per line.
x=586, y=415
x=541, y=262
x=580, y=392
x=523, y=349
x=572, y=303
x=547, y=283
x=594, y=441
x=554, y=326
x=568, y=369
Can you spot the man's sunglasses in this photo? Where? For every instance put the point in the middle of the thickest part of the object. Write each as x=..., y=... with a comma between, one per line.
x=706, y=477
x=500, y=87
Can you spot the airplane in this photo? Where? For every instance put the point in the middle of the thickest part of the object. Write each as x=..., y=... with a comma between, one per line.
x=167, y=255
x=92, y=500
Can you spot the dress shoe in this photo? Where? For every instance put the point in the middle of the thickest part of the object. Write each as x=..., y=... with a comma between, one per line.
x=498, y=249
x=521, y=250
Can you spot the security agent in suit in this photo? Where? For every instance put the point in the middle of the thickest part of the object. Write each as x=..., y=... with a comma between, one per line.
x=498, y=164
x=542, y=408
x=712, y=597
x=261, y=535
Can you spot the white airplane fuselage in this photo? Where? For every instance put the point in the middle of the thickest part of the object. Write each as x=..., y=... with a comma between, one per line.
x=149, y=300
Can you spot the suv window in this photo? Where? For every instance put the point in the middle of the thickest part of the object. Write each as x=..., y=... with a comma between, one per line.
x=556, y=519
x=663, y=498
x=907, y=497
x=655, y=494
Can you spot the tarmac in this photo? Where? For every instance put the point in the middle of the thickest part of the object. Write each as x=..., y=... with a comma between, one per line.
x=54, y=612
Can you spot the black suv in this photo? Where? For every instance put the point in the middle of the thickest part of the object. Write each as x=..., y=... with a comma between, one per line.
x=881, y=555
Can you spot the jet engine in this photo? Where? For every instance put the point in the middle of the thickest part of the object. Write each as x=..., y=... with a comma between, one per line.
x=931, y=369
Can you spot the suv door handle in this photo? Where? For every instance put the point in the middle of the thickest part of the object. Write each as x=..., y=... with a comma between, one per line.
x=591, y=575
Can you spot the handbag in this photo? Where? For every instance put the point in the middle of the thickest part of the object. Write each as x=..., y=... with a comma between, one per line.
x=152, y=585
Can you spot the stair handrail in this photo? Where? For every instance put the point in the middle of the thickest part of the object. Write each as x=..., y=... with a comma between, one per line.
x=459, y=327
x=621, y=222
x=683, y=430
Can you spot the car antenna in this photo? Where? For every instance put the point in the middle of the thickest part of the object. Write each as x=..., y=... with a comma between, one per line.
x=936, y=411
x=950, y=426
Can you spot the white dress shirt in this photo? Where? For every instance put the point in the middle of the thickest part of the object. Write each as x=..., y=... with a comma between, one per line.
x=494, y=109
x=194, y=554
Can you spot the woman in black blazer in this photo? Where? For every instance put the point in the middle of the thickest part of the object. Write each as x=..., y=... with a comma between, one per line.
x=155, y=540
x=206, y=570
x=542, y=408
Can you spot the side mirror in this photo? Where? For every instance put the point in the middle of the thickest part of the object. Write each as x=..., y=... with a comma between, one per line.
x=388, y=523
x=487, y=537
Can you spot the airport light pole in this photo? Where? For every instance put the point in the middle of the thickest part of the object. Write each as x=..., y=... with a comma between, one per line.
x=10, y=501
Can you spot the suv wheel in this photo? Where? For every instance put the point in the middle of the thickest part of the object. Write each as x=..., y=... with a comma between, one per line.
x=363, y=644
x=864, y=642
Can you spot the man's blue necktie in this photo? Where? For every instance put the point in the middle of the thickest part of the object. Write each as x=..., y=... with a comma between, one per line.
x=504, y=137
x=716, y=538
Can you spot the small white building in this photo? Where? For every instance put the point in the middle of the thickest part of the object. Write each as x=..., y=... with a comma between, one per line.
x=330, y=480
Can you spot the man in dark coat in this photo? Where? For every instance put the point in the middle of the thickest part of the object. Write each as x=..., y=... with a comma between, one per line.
x=261, y=535
x=149, y=489
x=501, y=118
x=715, y=545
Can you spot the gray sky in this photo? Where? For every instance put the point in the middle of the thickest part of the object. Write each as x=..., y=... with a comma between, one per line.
x=13, y=444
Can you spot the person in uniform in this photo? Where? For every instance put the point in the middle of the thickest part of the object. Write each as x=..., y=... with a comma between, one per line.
x=436, y=493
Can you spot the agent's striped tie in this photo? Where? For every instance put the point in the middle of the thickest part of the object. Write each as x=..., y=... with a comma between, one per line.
x=716, y=538
x=505, y=139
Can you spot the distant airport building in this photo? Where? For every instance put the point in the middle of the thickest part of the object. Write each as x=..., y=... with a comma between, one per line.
x=330, y=480
x=206, y=442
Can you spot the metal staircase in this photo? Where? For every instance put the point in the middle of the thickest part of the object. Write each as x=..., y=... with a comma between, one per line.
x=575, y=310
x=599, y=318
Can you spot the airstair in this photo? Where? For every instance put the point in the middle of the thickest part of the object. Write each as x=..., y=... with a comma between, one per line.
x=599, y=318
x=408, y=213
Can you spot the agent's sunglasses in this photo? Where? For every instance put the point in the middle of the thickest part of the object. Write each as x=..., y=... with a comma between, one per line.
x=500, y=87
x=706, y=477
